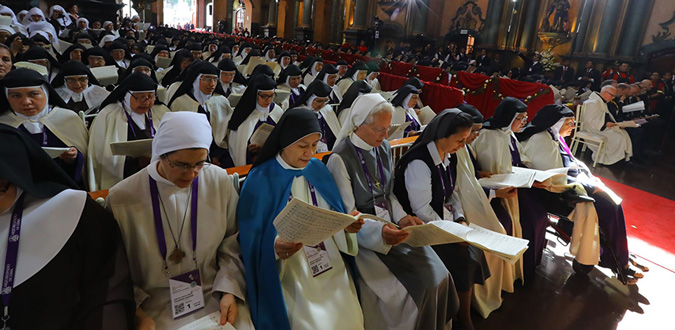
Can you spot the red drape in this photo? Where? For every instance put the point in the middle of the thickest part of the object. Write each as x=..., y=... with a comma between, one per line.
x=390, y=82
x=401, y=69
x=427, y=73
x=489, y=92
x=436, y=96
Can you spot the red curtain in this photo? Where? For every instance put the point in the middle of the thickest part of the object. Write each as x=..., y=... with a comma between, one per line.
x=485, y=93
x=390, y=82
x=436, y=96
x=427, y=73
x=401, y=69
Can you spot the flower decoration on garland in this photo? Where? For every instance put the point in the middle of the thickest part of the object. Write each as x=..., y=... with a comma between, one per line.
x=547, y=60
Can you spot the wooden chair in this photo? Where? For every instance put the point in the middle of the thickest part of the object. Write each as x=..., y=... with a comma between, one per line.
x=586, y=138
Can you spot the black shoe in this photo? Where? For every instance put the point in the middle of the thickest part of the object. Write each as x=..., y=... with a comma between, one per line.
x=581, y=268
x=572, y=197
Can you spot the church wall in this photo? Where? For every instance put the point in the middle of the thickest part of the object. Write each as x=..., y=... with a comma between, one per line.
x=663, y=11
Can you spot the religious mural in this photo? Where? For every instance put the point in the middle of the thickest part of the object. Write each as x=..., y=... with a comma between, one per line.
x=560, y=22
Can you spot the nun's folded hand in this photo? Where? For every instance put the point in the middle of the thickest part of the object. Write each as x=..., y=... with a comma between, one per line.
x=392, y=235
x=410, y=220
x=143, y=321
x=286, y=249
x=70, y=155
x=254, y=148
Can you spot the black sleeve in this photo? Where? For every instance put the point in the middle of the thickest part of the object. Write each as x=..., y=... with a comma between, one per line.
x=107, y=298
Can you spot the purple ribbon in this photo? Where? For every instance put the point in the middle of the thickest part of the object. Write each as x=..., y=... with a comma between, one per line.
x=12, y=254
x=565, y=147
x=452, y=185
x=365, y=168
x=159, y=227
x=148, y=120
x=312, y=191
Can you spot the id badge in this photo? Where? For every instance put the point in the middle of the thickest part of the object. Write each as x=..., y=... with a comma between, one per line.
x=381, y=211
x=321, y=147
x=447, y=212
x=318, y=259
x=186, y=293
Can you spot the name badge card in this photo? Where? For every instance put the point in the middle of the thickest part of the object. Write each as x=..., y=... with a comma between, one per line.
x=447, y=212
x=318, y=259
x=321, y=147
x=382, y=211
x=186, y=293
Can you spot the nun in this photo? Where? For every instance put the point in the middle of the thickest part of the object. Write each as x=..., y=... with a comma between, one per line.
x=5, y=61
x=52, y=232
x=34, y=15
x=357, y=72
x=544, y=143
x=197, y=240
x=476, y=205
x=316, y=99
x=78, y=87
x=139, y=64
x=6, y=11
x=243, y=52
x=371, y=78
x=355, y=90
x=497, y=151
x=120, y=54
x=284, y=60
x=312, y=70
x=425, y=184
x=32, y=106
x=291, y=80
x=181, y=60
x=202, y=92
x=255, y=108
x=222, y=53
x=270, y=54
x=131, y=112
x=58, y=18
x=41, y=56
x=231, y=79
x=96, y=57
x=401, y=287
x=342, y=67
x=404, y=111
x=284, y=292
x=329, y=76
x=73, y=52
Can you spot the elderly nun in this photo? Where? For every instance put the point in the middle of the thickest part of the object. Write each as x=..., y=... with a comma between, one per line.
x=401, y=287
x=177, y=218
x=31, y=105
x=284, y=291
x=131, y=112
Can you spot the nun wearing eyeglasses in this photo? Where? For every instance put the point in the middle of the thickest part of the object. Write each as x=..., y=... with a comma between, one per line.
x=284, y=291
x=131, y=112
x=232, y=80
x=404, y=111
x=401, y=287
x=497, y=150
x=202, y=92
x=543, y=141
x=357, y=72
x=255, y=108
x=64, y=262
x=316, y=99
x=78, y=87
x=29, y=104
x=177, y=218
x=425, y=183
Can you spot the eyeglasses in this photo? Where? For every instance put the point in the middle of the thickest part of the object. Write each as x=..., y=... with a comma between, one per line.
x=267, y=97
x=378, y=130
x=143, y=98
x=187, y=167
x=72, y=80
x=209, y=79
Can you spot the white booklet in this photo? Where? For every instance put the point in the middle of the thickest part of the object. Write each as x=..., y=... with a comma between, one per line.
x=261, y=134
x=137, y=148
x=54, y=152
x=445, y=232
x=637, y=106
x=300, y=222
x=208, y=322
x=628, y=123
x=522, y=177
x=398, y=128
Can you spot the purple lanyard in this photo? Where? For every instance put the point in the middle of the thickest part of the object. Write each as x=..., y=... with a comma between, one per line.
x=440, y=173
x=44, y=136
x=565, y=147
x=11, y=257
x=148, y=121
x=312, y=191
x=159, y=227
x=365, y=168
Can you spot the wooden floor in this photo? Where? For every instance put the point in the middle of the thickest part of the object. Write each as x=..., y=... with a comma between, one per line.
x=559, y=300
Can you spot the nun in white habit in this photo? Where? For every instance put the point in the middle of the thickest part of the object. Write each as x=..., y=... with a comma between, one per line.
x=316, y=99
x=312, y=71
x=255, y=108
x=404, y=111
x=357, y=72
x=177, y=217
x=401, y=287
x=131, y=112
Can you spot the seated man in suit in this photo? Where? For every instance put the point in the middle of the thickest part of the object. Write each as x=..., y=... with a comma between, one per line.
x=563, y=74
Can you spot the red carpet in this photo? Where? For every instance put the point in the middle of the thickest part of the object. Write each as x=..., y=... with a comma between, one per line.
x=650, y=223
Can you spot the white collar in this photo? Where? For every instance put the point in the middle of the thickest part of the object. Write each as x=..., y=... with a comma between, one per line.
x=436, y=157
x=358, y=142
x=285, y=165
x=138, y=118
x=154, y=173
x=265, y=111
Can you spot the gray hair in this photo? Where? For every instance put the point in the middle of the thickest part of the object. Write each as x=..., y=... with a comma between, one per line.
x=382, y=108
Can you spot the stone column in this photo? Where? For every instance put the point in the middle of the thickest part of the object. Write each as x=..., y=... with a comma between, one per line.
x=582, y=26
x=420, y=12
x=608, y=24
x=272, y=17
x=633, y=27
x=307, y=14
x=493, y=20
x=530, y=24
x=360, y=14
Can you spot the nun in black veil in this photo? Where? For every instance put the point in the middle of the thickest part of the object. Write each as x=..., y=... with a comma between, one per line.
x=82, y=251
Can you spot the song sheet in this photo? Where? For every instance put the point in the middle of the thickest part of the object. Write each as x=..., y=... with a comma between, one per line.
x=637, y=106
x=137, y=148
x=261, y=134
x=208, y=322
x=628, y=123
x=54, y=152
x=396, y=128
